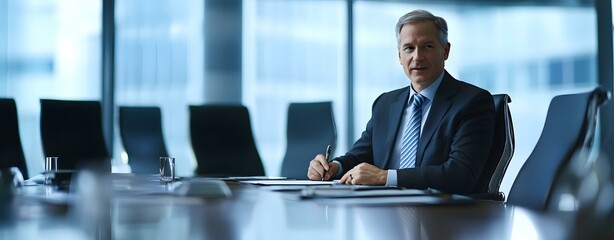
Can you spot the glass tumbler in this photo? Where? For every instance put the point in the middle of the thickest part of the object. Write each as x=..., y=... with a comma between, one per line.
x=167, y=169
x=51, y=166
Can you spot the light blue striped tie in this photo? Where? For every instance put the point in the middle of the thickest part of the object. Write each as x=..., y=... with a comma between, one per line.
x=411, y=135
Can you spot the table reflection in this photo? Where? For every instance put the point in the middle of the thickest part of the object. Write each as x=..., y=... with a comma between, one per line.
x=140, y=207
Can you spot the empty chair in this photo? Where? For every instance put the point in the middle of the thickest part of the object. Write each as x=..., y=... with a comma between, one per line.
x=141, y=133
x=222, y=141
x=72, y=131
x=11, y=151
x=501, y=151
x=311, y=127
x=569, y=127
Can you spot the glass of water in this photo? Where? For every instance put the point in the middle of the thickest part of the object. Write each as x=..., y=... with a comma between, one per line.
x=167, y=169
x=51, y=166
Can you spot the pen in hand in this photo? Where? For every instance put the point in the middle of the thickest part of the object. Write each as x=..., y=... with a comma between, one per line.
x=329, y=149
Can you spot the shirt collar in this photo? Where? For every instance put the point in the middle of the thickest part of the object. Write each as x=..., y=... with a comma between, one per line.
x=430, y=91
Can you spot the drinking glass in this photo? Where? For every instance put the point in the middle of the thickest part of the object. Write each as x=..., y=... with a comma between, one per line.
x=167, y=169
x=51, y=166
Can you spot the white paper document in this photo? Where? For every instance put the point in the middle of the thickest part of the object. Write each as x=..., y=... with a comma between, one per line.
x=288, y=182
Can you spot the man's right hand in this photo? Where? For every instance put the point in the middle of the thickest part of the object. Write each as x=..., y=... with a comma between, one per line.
x=318, y=166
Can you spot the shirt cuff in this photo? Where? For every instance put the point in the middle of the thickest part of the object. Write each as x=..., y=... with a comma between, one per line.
x=391, y=179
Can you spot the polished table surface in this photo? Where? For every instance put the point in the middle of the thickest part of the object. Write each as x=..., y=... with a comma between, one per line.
x=140, y=207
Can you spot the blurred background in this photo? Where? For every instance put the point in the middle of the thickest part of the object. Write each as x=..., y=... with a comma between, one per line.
x=267, y=53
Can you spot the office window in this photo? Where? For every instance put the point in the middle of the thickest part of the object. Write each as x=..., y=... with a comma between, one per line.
x=583, y=65
x=293, y=51
x=48, y=49
x=159, y=62
x=531, y=53
x=555, y=72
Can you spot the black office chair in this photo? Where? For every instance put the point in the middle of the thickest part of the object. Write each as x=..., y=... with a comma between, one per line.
x=72, y=131
x=222, y=141
x=569, y=127
x=501, y=152
x=311, y=127
x=11, y=150
x=141, y=133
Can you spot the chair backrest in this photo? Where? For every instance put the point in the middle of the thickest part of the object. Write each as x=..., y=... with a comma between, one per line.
x=502, y=148
x=11, y=150
x=141, y=133
x=569, y=127
x=311, y=127
x=222, y=141
x=72, y=131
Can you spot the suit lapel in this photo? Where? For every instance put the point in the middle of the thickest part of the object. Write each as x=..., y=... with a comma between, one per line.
x=395, y=112
x=439, y=107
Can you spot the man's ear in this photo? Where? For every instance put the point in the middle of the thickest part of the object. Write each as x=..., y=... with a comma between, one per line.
x=446, y=51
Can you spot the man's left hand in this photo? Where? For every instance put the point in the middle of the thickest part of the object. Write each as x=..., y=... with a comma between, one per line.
x=365, y=174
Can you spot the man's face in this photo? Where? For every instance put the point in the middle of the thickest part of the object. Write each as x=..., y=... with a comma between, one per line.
x=421, y=54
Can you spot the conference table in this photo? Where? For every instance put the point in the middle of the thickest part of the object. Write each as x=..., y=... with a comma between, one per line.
x=132, y=206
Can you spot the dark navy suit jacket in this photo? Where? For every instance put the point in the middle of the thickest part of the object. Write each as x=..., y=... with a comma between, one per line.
x=454, y=144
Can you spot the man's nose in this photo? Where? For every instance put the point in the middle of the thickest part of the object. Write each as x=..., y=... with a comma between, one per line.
x=418, y=54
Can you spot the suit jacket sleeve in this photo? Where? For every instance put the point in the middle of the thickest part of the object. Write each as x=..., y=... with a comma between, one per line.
x=376, y=142
x=362, y=150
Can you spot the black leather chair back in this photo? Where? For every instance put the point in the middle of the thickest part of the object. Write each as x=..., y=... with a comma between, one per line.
x=141, y=133
x=11, y=150
x=502, y=148
x=222, y=141
x=72, y=131
x=311, y=127
x=569, y=126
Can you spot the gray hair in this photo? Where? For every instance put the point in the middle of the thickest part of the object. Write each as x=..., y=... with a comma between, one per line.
x=417, y=16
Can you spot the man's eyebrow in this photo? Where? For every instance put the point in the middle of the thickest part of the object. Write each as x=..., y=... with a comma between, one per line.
x=420, y=43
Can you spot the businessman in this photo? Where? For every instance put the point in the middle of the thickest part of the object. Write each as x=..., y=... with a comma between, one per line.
x=435, y=133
